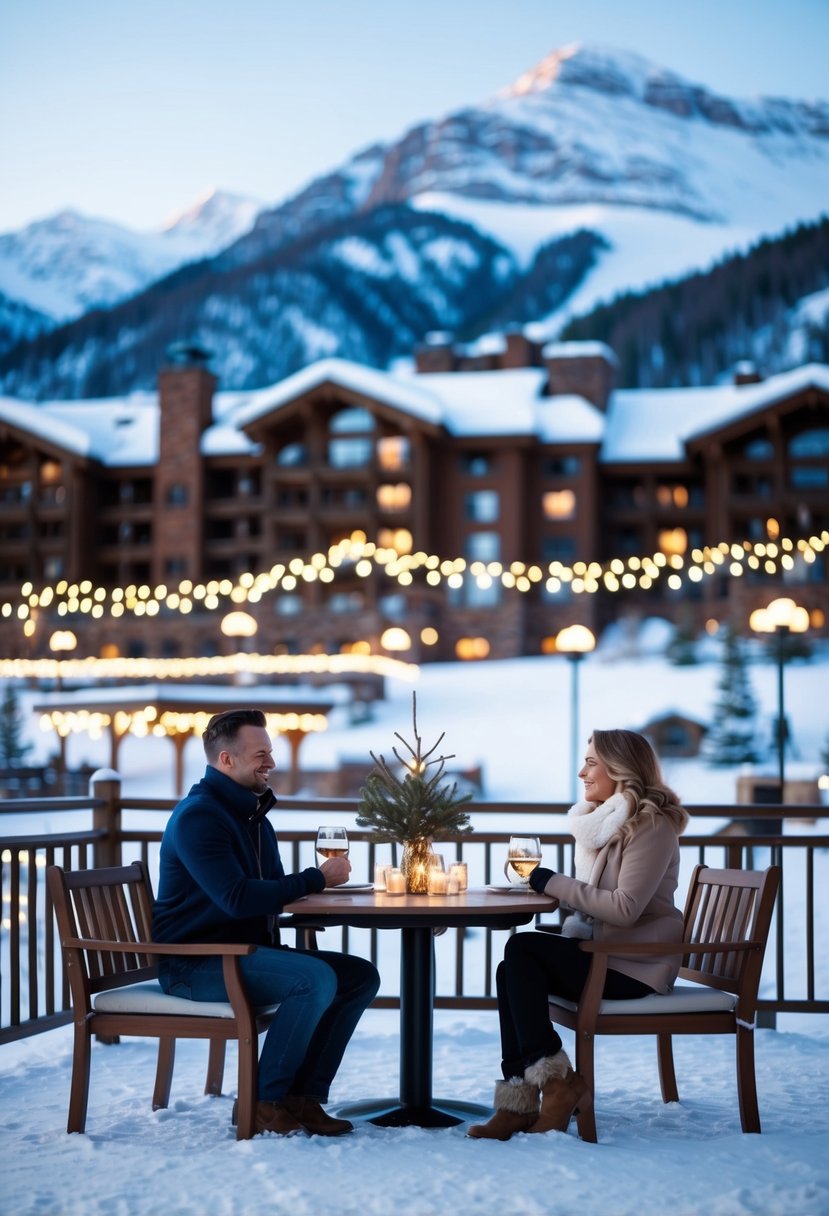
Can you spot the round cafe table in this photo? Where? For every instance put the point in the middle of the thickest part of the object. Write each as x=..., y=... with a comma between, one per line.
x=416, y=916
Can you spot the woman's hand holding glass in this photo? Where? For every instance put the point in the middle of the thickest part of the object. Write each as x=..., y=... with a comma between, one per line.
x=523, y=855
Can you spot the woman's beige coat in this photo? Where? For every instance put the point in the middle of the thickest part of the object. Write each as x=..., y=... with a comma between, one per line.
x=631, y=898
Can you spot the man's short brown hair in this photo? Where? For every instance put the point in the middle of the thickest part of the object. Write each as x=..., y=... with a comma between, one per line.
x=223, y=728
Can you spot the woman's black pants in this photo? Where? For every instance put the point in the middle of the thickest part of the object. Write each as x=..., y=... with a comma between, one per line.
x=534, y=966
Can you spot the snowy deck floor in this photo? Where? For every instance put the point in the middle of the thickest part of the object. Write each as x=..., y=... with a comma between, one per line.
x=653, y=1159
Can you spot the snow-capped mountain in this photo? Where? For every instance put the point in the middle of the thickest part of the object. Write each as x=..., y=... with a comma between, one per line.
x=595, y=173
x=67, y=264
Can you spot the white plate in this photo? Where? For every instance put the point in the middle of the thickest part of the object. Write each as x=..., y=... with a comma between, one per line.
x=348, y=888
x=512, y=888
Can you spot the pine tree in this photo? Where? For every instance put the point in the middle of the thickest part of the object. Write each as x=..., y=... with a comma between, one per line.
x=731, y=739
x=12, y=751
x=417, y=806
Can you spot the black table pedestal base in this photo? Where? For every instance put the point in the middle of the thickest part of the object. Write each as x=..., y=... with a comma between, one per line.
x=391, y=1113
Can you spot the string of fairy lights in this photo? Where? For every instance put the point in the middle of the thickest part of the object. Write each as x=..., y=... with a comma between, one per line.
x=361, y=557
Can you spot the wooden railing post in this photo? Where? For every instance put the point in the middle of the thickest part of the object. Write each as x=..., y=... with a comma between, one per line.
x=105, y=787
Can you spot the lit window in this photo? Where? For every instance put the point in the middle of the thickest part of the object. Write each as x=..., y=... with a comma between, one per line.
x=399, y=539
x=50, y=471
x=394, y=498
x=558, y=504
x=393, y=453
x=672, y=496
x=472, y=648
x=673, y=541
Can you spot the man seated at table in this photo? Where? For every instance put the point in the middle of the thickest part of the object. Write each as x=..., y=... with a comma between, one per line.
x=221, y=879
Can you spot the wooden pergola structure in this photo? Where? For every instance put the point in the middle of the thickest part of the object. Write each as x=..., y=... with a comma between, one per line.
x=178, y=712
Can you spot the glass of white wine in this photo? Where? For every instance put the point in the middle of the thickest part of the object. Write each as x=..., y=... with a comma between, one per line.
x=523, y=855
x=332, y=842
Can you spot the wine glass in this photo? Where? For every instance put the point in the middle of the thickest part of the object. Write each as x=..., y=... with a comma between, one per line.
x=332, y=842
x=523, y=855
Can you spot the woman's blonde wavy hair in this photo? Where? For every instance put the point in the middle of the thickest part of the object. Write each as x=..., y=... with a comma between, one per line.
x=632, y=763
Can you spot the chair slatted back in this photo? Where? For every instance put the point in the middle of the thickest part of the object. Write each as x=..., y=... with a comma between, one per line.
x=728, y=906
x=113, y=904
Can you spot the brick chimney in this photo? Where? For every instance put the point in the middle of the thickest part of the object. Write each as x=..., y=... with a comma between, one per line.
x=436, y=355
x=520, y=351
x=587, y=369
x=185, y=395
x=746, y=373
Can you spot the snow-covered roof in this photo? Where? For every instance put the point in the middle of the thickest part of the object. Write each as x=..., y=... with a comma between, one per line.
x=579, y=350
x=405, y=395
x=640, y=425
x=655, y=424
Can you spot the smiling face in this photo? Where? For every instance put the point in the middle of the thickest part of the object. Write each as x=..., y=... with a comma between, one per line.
x=598, y=784
x=248, y=759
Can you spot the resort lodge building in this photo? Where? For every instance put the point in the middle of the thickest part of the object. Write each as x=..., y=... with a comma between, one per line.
x=516, y=466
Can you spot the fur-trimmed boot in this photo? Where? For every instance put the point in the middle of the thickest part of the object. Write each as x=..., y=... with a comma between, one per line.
x=563, y=1091
x=516, y=1109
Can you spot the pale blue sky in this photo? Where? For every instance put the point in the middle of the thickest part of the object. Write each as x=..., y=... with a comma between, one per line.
x=128, y=110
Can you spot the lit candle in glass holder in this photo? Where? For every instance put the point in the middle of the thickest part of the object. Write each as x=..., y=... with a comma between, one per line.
x=438, y=881
x=380, y=868
x=458, y=871
x=395, y=882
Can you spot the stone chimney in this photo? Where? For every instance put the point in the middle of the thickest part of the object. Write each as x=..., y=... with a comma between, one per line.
x=586, y=369
x=185, y=397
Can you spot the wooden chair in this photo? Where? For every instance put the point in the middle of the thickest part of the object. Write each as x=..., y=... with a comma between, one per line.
x=104, y=922
x=727, y=919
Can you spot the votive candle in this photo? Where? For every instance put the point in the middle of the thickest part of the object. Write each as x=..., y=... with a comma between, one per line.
x=458, y=871
x=438, y=882
x=395, y=882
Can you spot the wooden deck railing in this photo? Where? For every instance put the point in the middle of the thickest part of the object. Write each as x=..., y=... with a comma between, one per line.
x=34, y=994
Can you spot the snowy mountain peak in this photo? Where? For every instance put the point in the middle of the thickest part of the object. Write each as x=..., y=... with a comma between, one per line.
x=214, y=220
x=610, y=72
x=604, y=69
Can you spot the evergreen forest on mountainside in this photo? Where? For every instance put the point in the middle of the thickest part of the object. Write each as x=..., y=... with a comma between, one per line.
x=694, y=330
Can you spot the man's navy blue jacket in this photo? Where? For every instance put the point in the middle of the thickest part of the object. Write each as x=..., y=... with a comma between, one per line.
x=221, y=878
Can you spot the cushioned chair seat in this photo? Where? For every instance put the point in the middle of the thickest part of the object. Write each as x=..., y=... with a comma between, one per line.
x=149, y=997
x=685, y=998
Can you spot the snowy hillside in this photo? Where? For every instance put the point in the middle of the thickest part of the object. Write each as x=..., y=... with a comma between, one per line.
x=69, y=263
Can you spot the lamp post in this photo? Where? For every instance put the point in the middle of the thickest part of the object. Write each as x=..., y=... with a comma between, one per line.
x=781, y=617
x=574, y=642
x=239, y=625
x=62, y=641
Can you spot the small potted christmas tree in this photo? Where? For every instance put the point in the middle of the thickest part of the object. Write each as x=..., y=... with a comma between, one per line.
x=414, y=809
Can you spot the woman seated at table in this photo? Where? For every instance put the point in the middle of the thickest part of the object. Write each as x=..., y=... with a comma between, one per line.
x=627, y=862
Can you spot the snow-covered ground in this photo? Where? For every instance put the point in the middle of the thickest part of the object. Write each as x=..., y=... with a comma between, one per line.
x=688, y=1159
x=514, y=719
